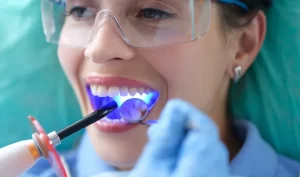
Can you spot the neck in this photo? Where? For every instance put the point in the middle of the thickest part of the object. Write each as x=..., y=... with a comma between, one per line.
x=226, y=132
x=231, y=141
x=224, y=123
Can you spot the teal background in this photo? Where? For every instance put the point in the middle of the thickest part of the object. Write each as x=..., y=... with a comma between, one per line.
x=269, y=94
x=32, y=81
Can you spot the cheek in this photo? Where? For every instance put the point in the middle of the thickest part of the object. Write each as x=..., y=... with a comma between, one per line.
x=70, y=60
x=193, y=71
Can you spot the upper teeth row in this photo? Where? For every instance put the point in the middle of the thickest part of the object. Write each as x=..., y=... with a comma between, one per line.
x=104, y=91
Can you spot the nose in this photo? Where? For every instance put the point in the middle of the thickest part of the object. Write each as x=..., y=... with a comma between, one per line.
x=108, y=42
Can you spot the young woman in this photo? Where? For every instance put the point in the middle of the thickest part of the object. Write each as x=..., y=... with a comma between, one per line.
x=186, y=49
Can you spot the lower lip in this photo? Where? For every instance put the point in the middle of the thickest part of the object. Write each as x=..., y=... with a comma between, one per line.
x=114, y=127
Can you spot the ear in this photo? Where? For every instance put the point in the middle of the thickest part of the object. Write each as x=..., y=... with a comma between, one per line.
x=250, y=40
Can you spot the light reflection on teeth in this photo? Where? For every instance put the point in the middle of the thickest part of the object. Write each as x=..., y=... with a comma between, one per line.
x=104, y=91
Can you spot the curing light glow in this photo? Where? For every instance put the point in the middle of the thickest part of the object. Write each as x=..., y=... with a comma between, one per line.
x=145, y=97
x=98, y=102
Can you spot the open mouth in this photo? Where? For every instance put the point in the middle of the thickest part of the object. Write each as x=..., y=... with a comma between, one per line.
x=100, y=95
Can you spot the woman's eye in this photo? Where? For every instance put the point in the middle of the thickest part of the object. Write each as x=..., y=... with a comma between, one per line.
x=154, y=14
x=81, y=12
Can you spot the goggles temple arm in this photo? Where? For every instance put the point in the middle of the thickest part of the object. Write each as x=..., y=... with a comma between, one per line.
x=192, y=17
x=236, y=2
x=59, y=2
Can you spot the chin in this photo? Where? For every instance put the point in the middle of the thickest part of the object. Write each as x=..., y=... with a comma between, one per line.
x=120, y=150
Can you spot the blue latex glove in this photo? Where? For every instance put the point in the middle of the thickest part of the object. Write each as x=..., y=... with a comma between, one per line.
x=174, y=151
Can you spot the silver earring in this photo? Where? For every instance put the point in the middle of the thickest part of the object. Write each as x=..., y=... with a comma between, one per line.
x=238, y=73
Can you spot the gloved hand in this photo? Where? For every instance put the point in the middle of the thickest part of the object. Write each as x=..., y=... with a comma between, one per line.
x=175, y=151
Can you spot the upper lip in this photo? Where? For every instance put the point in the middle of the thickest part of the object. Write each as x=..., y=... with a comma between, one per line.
x=115, y=81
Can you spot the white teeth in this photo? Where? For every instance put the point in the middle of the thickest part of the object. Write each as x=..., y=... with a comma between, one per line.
x=123, y=91
x=132, y=91
x=116, y=120
x=109, y=120
x=94, y=90
x=147, y=90
x=102, y=91
x=140, y=91
x=113, y=91
x=122, y=120
x=105, y=119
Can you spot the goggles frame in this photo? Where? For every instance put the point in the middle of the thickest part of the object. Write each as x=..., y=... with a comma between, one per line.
x=49, y=24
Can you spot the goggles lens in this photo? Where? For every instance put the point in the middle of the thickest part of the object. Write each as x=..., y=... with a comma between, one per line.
x=141, y=23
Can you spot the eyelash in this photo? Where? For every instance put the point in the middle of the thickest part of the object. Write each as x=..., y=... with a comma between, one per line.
x=157, y=11
x=78, y=13
x=72, y=10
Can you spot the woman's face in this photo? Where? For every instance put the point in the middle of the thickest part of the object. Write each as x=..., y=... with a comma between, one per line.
x=194, y=71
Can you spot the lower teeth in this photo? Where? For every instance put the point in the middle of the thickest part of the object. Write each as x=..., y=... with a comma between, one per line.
x=112, y=120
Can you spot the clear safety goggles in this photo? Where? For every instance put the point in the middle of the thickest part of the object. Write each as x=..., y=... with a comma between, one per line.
x=140, y=23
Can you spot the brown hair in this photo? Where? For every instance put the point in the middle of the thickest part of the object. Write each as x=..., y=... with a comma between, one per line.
x=234, y=17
